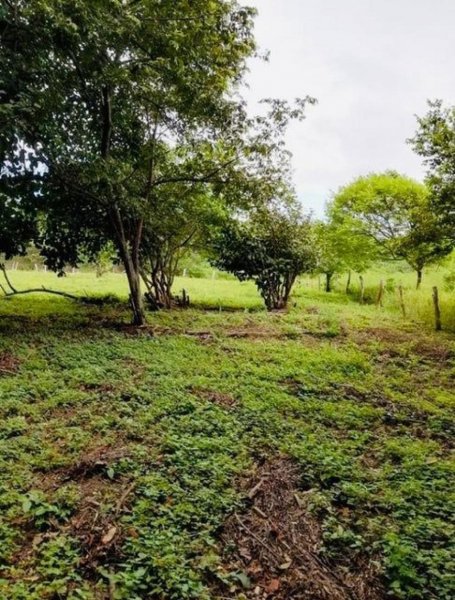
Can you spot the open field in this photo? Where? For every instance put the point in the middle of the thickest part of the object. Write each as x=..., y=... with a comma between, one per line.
x=229, y=293
x=303, y=454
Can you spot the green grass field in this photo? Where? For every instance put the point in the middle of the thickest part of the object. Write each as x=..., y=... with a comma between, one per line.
x=223, y=452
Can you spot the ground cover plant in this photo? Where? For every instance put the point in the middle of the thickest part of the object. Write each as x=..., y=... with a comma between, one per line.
x=233, y=455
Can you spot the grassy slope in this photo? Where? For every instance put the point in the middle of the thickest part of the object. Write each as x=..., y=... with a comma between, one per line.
x=360, y=399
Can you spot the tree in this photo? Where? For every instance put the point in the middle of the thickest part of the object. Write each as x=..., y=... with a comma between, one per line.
x=248, y=164
x=182, y=222
x=435, y=142
x=94, y=96
x=340, y=250
x=395, y=212
x=272, y=248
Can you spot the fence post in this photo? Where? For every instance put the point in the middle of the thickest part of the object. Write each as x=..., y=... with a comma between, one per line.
x=402, y=306
x=362, y=289
x=437, y=310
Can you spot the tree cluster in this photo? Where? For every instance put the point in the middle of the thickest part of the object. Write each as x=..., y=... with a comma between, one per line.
x=123, y=134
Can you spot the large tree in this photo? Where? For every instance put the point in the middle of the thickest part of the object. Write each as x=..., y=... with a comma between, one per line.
x=435, y=142
x=94, y=95
x=394, y=211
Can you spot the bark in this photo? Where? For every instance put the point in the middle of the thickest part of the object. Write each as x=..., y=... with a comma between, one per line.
x=128, y=247
x=328, y=282
x=159, y=288
x=276, y=291
x=348, y=283
x=129, y=254
x=136, y=300
x=419, y=278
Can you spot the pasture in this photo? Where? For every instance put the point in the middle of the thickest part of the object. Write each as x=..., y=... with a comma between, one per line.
x=222, y=451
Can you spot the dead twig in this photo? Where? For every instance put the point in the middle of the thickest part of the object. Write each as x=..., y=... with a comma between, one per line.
x=7, y=371
x=258, y=539
x=123, y=498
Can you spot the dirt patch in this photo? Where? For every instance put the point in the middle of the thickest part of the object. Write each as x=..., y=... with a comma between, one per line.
x=433, y=352
x=383, y=334
x=254, y=332
x=214, y=396
x=9, y=364
x=101, y=388
x=93, y=462
x=128, y=328
x=275, y=545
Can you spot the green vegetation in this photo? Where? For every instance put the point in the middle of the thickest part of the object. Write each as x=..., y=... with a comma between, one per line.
x=221, y=451
x=121, y=448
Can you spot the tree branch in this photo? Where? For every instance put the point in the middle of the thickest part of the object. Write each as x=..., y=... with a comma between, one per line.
x=187, y=178
x=7, y=279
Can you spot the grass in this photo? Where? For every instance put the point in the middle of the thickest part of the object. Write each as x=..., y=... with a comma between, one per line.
x=121, y=451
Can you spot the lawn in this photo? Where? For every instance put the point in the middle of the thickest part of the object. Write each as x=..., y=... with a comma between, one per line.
x=223, y=452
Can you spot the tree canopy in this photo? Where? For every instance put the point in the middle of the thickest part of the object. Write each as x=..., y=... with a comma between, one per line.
x=272, y=248
x=97, y=96
x=395, y=212
x=435, y=142
x=340, y=249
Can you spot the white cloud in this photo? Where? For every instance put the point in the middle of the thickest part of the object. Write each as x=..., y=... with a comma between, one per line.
x=372, y=64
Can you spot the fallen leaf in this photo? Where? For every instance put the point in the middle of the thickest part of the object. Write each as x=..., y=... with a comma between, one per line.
x=244, y=553
x=273, y=586
x=109, y=536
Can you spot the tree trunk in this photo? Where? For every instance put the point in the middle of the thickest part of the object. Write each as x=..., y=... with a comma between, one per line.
x=437, y=310
x=362, y=289
x=328, y=282
x=419, y=278
x=348, y=283
x=134, y=282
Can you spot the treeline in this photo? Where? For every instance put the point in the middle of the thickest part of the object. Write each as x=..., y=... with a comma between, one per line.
x=124, y=137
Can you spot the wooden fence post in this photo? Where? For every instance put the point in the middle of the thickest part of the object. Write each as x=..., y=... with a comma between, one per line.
x=437, y=310
x=362, y=289
x=402, y=306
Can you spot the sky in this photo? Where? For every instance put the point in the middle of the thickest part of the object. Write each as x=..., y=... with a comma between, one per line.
x=371, y=64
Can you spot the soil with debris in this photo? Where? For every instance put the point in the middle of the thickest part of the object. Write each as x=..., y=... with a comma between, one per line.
x=274, y=547
x=9, y=364
x=95, y=523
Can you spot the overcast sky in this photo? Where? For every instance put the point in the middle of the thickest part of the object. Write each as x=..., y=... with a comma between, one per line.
x=371, y=64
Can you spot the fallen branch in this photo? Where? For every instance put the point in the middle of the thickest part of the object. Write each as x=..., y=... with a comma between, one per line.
x=41, y=290
x=15, y=292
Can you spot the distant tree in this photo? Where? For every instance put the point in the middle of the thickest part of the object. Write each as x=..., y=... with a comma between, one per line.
x=340, y=250
x=396, y=212
x=272, y=248
x=93, y=96
x=435, y=142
